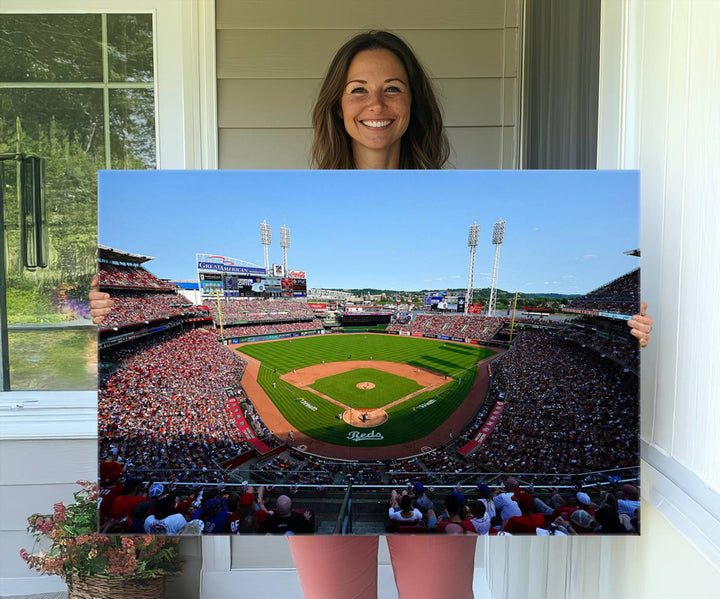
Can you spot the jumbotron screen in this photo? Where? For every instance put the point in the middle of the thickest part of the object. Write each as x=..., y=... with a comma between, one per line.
x=230, y=277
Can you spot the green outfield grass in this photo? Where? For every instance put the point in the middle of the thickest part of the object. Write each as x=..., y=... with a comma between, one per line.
x=343, y=387
x=405, y=423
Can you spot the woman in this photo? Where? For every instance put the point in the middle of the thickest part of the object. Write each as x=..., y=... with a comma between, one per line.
x=402, y=511
x=377, y=110
x=363, y=117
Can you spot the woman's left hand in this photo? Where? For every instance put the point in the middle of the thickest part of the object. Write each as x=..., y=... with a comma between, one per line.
x=641, y=325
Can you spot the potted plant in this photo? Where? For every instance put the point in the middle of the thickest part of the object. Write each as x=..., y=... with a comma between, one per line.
x=93, y=565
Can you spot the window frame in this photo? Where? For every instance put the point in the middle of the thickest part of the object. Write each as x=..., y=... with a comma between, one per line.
x=185, y=95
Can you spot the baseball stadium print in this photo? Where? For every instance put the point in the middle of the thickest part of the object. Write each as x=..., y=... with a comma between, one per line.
x=298, y=350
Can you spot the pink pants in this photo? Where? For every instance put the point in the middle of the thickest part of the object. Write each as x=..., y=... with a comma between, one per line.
x=425, y=566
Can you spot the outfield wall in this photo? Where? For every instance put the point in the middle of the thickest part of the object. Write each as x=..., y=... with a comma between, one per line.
x=490, y=343
x=253, y=338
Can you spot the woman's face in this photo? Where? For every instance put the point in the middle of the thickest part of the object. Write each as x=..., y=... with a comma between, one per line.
x=375, y=103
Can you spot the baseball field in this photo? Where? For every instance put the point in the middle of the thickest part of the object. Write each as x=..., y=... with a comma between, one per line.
x=387, y=389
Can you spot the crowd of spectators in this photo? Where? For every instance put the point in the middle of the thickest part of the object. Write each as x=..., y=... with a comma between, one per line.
x=623, y=348
x=134, y=277
x=364, y=474
x=471, y=326
x=439, y=460
x=279, y=465
x=130, y=506
x=129, y=308
x=162, y=406
x=566, y=409
x=514, y=510
x=402, y=472
x=621, y=296
x=260, y=310
x=317, y=471
x=272, y=329
x=296, y=468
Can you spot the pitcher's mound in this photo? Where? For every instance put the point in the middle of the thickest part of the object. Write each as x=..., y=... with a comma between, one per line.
x=366, y=386
x=365, y=418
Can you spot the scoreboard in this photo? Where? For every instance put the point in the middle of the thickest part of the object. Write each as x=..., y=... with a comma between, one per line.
x=231, y=277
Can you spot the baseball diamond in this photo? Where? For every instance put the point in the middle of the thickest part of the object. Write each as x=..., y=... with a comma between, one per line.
x=317, y=391
x=360, y=363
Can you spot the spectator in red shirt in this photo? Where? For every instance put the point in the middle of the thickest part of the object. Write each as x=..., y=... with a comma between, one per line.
x=529, y=521
x=132, y=494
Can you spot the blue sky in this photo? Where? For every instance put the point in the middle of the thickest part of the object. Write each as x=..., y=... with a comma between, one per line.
x=566, y=231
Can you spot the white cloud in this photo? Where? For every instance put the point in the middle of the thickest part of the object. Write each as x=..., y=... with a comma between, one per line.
x=589, y=256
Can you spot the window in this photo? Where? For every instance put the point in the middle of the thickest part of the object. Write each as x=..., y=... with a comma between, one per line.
x=78, y=90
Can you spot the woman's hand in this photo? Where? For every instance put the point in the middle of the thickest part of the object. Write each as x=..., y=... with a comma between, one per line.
x=641, y=325
x=100, y=303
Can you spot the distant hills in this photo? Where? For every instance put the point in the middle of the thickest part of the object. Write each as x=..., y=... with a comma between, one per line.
x=478, y=294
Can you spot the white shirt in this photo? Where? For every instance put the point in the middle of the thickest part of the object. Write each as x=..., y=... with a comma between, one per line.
x=489, y=506
x=173, y=523
x=482, y=525
x=506, y=507
x=399, y=518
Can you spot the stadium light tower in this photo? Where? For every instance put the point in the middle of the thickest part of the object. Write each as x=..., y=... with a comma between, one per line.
x=473, y=236
x=285, y=244
x=497, y=239
x=265, y=239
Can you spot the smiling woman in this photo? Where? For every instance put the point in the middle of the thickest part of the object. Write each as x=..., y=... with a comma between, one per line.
x=377, y=109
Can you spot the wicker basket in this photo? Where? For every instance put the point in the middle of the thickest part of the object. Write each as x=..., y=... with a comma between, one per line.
x=116, y=587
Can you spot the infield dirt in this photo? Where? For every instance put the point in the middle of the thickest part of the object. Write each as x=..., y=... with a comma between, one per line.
x=276, y=422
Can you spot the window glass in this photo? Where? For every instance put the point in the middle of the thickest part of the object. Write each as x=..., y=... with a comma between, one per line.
x=132, y=128
x=74, y=117
x=55, y=358
x=36, y=48
x=130, y=47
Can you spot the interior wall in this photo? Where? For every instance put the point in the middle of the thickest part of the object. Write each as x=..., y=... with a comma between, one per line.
x=271, y=58
x=659, y=84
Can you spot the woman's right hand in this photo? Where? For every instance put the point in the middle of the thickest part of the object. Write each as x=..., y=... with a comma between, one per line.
x=100, y=302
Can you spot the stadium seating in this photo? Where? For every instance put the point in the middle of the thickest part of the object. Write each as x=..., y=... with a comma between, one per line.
x=471, y=326
x=117, y=276
x=271, y=329
x=129, y=308
x=162, y=405
x=566, y=409
x=621, y=295
x=259, y=310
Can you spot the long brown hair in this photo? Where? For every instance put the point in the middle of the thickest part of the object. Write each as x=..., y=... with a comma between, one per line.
x=424, y=144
